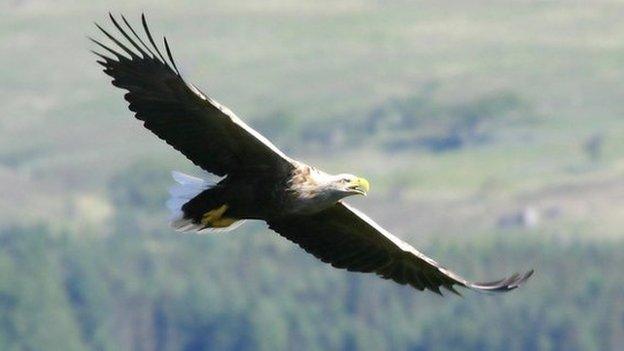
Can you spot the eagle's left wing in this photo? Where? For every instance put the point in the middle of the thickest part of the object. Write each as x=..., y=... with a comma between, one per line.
x=346, y=238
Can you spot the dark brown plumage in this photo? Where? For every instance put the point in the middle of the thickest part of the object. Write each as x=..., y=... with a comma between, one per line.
x=199, y=127
x=299, y=202
x=346, y=238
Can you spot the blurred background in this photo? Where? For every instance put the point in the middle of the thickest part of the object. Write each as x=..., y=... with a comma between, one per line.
x=491, y=132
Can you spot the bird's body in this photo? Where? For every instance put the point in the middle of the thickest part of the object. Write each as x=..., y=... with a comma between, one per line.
x=301, y=190
x=300, y=202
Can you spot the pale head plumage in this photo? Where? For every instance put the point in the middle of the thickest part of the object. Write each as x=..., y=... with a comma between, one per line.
x=315, y=190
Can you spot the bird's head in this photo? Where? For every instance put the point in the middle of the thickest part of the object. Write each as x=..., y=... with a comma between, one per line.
x=325, y=189
x=347, y=184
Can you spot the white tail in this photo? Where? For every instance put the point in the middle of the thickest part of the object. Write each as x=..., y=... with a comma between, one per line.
x=187, y=187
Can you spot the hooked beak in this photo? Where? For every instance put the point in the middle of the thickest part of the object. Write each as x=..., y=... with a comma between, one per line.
x=360, y=186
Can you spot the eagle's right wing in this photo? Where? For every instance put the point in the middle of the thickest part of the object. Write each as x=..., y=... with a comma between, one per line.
x=346, y=238
x=207, y=133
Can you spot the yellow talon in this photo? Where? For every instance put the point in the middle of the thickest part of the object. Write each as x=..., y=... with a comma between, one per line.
x=223, y=222
x=214, y=219
x=213, y=215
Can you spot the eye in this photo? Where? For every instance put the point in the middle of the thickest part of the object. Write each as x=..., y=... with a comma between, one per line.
x=344, y=180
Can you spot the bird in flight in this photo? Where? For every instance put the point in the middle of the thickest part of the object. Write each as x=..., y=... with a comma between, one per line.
x=300, y=202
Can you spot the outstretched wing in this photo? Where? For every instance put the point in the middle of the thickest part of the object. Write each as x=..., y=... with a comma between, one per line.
x=346, y=238
x=206, y=132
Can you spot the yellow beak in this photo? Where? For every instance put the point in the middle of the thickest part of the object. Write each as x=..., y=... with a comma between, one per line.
x=361, y=185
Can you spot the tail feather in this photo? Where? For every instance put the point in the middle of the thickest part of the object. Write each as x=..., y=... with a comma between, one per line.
x=187, y=187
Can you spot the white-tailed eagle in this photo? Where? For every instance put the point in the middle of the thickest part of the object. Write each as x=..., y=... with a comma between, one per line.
x=298, y=201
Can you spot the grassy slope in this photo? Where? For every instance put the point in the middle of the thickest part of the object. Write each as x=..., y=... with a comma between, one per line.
x=64, y=130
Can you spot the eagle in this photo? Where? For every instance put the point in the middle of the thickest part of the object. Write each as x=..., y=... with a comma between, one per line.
x=257, y=180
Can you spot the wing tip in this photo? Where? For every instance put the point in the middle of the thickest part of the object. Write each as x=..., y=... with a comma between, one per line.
x=510, y=283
